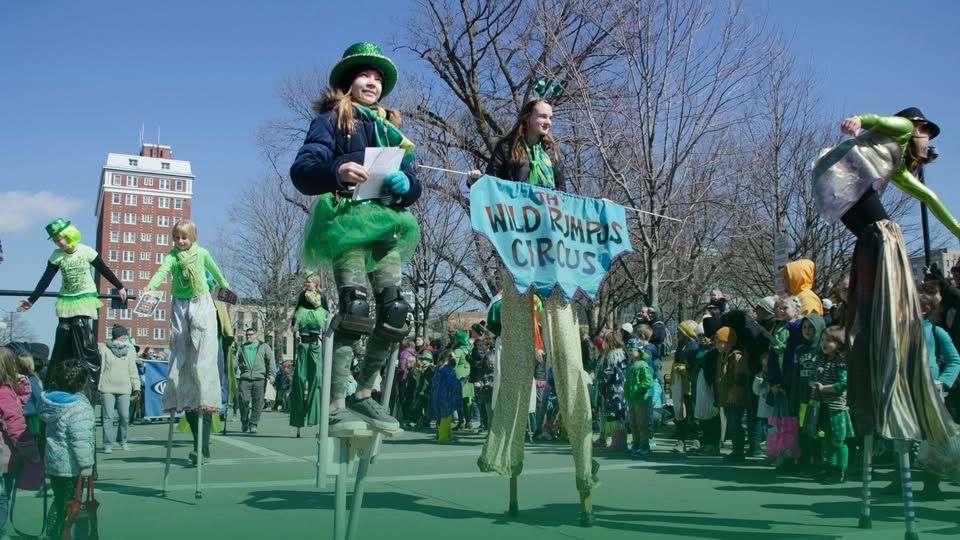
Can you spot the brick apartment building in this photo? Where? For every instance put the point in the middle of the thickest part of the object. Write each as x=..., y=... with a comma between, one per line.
x=140, y=198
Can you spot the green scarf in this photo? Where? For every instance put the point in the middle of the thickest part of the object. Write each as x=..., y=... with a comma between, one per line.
x=313, y=298
x=541, y=168
x=386, y=133
x=191, y=274
x=778, y=341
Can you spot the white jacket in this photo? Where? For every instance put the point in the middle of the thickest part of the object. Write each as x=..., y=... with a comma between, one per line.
x=118, y=372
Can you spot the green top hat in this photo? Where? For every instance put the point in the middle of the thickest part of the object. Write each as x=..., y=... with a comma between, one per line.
x=56, y=227
x=364, y=54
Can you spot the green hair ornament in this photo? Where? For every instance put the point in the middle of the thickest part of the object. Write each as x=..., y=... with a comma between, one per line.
x=548, y=90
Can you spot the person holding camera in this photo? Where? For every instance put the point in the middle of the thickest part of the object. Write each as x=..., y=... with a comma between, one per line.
x=119, y=379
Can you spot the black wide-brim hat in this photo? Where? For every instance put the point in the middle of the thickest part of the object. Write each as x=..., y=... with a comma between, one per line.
x=359, y=56
x=916, y=115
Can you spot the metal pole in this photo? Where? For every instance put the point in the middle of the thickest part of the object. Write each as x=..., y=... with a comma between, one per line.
x=925, y=223
x=198, y=494
x=865, y=521
x=166, y=467
x=323, y=438
x=340, y=499
x=359, y=487
x=385, y=397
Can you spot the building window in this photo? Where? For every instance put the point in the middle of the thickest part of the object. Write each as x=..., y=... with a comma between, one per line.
x=144, y=274
x=132, y=162
x=178, y=185
x=131, y=199
x=130, y=219
x=163, y=239
x=114, y=236
x=126, y=275
x=147, y=181
x=160, y=257
x=114, y=217
x=160, y=315
x=164, y=183
x=113, y=255
x=129, y=237
x=176, y=219
x=148, y=199
x=163, y=202
x=164, y=165
x=158, y=333
x=163, y=221
x=178, y=204
x=146, y=237
x=146, y=218
x=128, y=257
x=126, y=314
x=116, y=180
x=143, y=332
x=132, y=181
x=111, y=313
x=116, y=198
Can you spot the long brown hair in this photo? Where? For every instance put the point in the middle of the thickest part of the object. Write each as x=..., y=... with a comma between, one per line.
x=342, y=106
x=8, y=368
x=517, y=134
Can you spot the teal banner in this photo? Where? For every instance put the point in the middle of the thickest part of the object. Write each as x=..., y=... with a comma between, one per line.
x=547, y=238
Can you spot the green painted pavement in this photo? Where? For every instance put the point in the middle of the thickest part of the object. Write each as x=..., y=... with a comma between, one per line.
x=262, y=487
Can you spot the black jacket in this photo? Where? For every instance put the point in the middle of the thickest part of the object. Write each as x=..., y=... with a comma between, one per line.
x=502, y=166
x=325, y=148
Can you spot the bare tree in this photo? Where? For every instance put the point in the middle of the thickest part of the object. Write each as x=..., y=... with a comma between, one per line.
x=13, y=327
x=261, y=253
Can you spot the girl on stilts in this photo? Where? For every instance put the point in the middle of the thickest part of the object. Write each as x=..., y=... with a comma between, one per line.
x=78, y=302
x=527, y=155
x=193, y=382
x=359, y=239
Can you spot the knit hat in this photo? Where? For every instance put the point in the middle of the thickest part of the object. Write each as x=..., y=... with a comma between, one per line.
x=690, y=329
x=426, y=355
x=710, y=326
x=766, y=303
x=119, y=331
x=827, y=304
x=627, y=327
x=727, y=335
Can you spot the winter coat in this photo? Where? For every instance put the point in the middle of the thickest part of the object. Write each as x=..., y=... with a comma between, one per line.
x=118, y=373
x=799, y=278
x=263, y=363
x=69, y=419
x=444, y=394
x=326, y=148
x=760, y=389
x=639, y=381
x=502, y=166
x=805, y=364
x=940, y=347
x=733, y=380
x=16, y=437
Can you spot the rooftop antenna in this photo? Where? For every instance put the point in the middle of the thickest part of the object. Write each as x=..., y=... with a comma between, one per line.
x=141, y=135
x=158, y=137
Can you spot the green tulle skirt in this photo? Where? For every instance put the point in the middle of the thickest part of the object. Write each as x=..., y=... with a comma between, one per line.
x=84, y=305
x=337, y=226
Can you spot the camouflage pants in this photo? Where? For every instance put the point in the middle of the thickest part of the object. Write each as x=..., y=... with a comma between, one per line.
x=350, y=270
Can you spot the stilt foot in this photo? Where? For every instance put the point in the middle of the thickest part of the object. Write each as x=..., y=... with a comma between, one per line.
x=514, y=510
x=865, y=522
x=198, y=495
x=586, y=519
x=911, y=536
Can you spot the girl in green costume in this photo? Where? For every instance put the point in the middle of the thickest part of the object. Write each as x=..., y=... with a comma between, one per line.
x=360, y=240
x=78, y=302
x=310, y=319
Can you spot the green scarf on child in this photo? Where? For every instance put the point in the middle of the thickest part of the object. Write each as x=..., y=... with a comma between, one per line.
x=387, y=134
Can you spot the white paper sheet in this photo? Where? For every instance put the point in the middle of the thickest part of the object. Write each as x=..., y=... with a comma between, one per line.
x=378, y=162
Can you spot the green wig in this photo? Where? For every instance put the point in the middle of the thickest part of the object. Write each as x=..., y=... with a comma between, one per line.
x=71, y=234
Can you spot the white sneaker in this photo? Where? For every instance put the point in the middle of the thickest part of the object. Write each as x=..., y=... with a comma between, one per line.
x=107, y=449
x=124, y=446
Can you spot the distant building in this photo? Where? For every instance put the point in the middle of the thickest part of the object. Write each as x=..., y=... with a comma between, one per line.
x=248, y=314
x=945, y=258
x=139, y=200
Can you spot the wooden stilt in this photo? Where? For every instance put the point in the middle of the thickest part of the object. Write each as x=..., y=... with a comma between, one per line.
x=909, y=516
x=865, y=521
x=166, y=467
x=514, y=508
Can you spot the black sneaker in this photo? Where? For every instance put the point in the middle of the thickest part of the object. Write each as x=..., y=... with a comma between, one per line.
x=373, y=413
x=344, y=421
x=244, y=427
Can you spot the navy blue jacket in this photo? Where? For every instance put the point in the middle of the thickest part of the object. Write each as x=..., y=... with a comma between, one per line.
x=314, y=171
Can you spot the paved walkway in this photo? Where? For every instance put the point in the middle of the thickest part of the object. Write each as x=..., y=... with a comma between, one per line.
x=262, y=487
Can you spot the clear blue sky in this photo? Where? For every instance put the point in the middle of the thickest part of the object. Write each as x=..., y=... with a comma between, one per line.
x=81, y=77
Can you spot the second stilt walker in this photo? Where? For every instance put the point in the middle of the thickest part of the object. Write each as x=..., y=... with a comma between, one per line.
x=309, y=318
x=524, y=155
